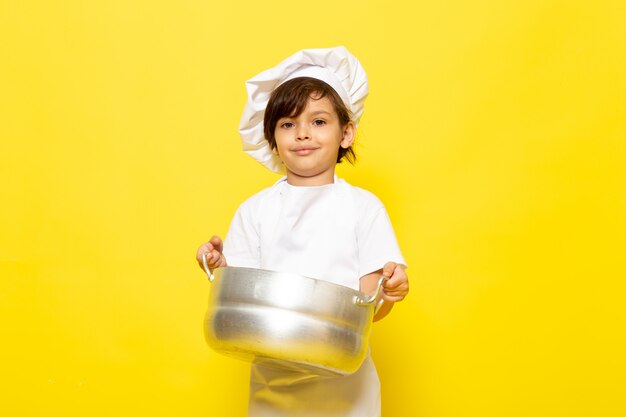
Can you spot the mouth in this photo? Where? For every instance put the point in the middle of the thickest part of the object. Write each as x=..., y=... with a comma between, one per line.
x=303, y=151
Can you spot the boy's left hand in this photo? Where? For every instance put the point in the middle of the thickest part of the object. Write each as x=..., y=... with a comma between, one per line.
x=397, y=286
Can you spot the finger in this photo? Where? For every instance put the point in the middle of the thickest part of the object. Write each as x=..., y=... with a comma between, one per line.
x=217, y=243
x=399, y=290
x=218, y=259
x=213, y=258
x=402, y=287
x=396, y=293
x=389, y=268
x=393, y=299
x=396, y=283
x=398, y=278
x=202, y=252
x=205, y=248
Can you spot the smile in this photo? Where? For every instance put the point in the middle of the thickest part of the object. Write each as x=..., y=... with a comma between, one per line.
x=307, y=150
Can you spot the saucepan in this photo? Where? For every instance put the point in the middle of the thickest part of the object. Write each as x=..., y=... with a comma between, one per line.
x=288, y=321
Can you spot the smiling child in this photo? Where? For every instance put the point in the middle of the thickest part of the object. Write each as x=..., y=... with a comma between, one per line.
x=301, y=120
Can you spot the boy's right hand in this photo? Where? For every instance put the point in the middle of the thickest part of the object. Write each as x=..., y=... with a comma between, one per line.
x=215, y=258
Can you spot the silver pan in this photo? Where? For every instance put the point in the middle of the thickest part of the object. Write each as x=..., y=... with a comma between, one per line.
x=288, y=320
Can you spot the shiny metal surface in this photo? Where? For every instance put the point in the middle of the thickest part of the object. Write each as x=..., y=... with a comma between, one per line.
x=288, y=321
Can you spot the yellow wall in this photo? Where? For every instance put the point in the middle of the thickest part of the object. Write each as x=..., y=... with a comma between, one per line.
x=495, y=133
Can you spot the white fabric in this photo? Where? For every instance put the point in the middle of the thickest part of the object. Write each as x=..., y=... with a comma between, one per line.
x=335, y=232
x=335, y=66
x=324, y=74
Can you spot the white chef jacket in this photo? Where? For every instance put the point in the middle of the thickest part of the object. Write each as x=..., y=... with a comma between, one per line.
x=334, y=232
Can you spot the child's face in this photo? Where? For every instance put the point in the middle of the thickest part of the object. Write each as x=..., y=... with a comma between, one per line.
x=308, y=144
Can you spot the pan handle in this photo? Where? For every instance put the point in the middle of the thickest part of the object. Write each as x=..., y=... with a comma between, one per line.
x=368, y=300
x=206, y=267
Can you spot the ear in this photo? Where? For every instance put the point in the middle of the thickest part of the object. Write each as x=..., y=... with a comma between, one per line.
x=349, y=132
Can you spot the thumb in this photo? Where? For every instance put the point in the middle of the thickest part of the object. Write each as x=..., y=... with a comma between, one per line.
x=389, y=268
x=217, y=243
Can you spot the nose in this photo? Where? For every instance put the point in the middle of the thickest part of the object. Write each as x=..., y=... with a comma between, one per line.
x=303, y=132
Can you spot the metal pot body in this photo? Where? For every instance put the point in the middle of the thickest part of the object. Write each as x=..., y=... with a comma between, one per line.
x=288, y=320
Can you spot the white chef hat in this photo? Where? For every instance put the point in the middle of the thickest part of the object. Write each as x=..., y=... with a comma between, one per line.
x=335, y=66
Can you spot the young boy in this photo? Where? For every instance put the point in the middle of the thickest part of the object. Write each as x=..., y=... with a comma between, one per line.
x=301, y=120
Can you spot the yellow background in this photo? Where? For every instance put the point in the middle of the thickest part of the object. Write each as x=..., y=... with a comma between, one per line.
x=495, y=133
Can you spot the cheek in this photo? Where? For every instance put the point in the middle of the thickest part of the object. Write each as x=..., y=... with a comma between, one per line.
x=281, y=138
x=279, y=144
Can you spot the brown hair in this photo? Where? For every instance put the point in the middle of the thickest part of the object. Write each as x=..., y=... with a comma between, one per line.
x=290, y=100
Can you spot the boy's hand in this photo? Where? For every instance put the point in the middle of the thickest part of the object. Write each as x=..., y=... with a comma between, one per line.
x=397, y=286
x=215, y=258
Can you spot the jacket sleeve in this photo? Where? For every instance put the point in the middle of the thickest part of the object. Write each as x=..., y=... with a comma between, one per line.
x=377, y=242
x=242, y=245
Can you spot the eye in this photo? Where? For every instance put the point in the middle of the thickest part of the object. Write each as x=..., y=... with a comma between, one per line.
x=286, y=125
x=319, y=122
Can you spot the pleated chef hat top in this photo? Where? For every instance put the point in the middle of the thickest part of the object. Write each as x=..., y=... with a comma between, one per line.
x=335, y=66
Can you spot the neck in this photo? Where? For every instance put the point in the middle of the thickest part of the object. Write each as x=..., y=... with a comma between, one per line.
x=310, y=181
